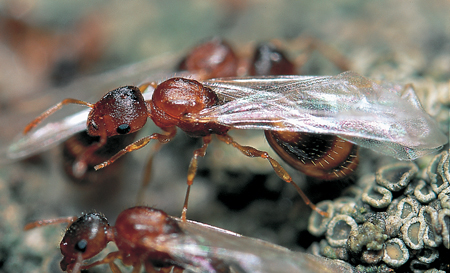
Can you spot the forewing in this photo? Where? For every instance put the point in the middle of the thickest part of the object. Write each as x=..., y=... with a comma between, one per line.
x=206, y=248
x=355, y=108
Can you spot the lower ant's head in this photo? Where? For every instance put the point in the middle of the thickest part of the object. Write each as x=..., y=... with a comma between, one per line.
x=121, y=111
x=85, y=238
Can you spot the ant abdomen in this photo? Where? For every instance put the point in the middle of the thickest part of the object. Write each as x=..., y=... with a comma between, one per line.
x=326, y=157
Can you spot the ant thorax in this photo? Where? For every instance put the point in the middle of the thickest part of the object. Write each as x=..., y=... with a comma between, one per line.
x=175, y=98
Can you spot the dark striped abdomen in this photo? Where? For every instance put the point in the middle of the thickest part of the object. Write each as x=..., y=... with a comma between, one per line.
x=326, y=157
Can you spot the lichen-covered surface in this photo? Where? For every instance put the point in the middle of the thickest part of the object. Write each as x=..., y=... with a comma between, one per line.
x=389, y=216
x=397, y=218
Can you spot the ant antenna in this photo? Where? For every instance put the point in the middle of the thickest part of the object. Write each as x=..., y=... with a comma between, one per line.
x=48, y=222
x=52, y=110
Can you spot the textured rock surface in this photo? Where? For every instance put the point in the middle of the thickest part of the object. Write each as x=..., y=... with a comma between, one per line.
x=409, y=234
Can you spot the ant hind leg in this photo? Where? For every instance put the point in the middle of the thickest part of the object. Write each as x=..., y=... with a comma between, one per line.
x=279, y=170
x=192, y=171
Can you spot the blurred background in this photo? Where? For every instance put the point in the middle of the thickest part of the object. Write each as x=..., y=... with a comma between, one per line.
x=50, y=50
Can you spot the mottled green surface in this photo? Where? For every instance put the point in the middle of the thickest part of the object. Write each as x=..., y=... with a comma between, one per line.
x=415, y=231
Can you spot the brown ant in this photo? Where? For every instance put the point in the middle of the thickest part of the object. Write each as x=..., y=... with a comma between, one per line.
x=124, y=111
x=216, y=58
x=288, y=108
x=149, y=238
x=140, y=235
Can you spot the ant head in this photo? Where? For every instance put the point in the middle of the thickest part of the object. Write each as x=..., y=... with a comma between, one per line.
x=85, y=238
x=121, y=111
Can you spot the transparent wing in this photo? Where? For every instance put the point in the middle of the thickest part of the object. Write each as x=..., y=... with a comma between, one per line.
x=386, y=118
x=72, y=119
x=206, y=248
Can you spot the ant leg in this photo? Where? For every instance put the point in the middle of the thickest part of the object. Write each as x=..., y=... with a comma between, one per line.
x=109, y=259
x=280, y=171
x=147, y=174
x=80, y=165
x=192, y=171
x=52, y=110
x=56, y=221
x=163, y=138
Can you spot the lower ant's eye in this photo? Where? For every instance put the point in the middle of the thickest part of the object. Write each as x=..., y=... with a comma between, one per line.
x=81, y=245
x=123, y=129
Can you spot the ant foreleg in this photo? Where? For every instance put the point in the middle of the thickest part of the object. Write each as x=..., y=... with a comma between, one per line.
x=109, y=259
x=163, y=138
x=192, y=171
x=280, y=171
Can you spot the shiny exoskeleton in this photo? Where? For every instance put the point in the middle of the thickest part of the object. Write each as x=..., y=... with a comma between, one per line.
x=325, y=157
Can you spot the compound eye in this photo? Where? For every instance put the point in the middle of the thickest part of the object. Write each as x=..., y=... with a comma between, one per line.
x=81, y=245
x=123, y=129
